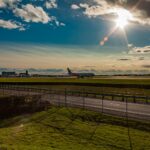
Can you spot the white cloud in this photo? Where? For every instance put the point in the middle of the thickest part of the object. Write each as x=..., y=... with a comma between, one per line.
x=2, y=4
x=138, y=50
x=59, y=23
x=84, y=5
x=74, y=6
x=140, y=17
x=51, y=4
x=93, y=11
x=62, y=24
x=99, y=9
x=8, y=24
x=8, y=3
x=122, y=1
x=32, y=14
x=108, y=10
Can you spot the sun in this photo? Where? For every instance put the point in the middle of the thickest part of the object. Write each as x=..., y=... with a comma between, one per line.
x=123, y=18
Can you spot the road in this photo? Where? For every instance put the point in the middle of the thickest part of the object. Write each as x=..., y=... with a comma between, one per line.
x=123, y=109
x=132, y=110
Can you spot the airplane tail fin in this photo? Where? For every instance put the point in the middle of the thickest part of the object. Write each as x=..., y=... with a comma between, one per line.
x=69, y=71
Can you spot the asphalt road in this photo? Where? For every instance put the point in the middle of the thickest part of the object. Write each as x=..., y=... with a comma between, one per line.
x=132, y=110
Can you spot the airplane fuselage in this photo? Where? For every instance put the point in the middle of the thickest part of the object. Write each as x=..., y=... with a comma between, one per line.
x=82, y=74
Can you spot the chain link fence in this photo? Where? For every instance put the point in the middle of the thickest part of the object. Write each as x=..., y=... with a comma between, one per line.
x=127, y=104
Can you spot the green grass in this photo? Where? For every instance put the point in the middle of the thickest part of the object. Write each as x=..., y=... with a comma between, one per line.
x=97, y=90
x=137, y=82
x=72, y=129
x=134, y=86
x=143, y=81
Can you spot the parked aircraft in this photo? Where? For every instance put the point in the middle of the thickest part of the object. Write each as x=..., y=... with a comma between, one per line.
x=80, y=75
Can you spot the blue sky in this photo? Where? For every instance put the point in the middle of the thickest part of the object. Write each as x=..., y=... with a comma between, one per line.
x=82, y=34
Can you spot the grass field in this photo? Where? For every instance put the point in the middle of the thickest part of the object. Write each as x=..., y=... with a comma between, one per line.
x=72, y=129
x=132, y=86
x=140, y=81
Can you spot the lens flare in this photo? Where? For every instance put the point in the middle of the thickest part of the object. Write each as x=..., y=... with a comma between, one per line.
x=122, y=20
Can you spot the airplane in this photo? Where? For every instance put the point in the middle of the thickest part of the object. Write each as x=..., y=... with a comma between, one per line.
x=80, y=75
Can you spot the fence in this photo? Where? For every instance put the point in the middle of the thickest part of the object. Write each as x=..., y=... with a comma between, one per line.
x=124, y=105
x=134, y=105
x=137, y=98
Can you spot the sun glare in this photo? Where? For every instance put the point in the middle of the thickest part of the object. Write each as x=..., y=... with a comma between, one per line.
x=123, y=17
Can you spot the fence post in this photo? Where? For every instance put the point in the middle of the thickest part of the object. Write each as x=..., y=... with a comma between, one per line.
x=134, y=99
x=127, y=119
x=59, y=95
x=102, y=103
x=83, y=98
x=123, y=98
x=49, y=96
x=146, y=99
x=112, y=97
x=65, y=98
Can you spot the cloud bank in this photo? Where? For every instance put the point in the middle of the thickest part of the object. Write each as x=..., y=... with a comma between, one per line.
x=30, y=13
x=108, y=9
x=138, y=50
x=10, y=25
